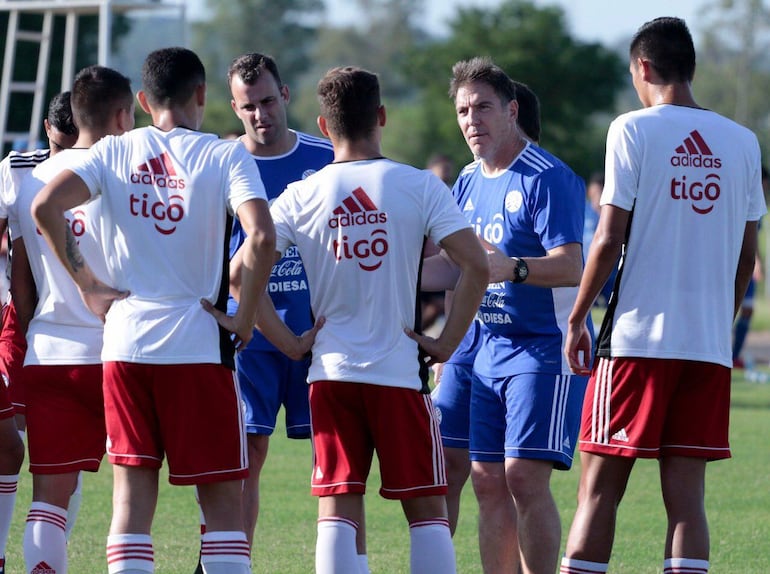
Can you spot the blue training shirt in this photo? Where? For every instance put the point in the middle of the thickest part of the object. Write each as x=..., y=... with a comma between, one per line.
x=536, y=205
x=288, y=282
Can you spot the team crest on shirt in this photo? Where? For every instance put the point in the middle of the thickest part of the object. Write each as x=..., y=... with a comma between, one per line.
x=307, y=173
x=352, y=219
x=513, y=201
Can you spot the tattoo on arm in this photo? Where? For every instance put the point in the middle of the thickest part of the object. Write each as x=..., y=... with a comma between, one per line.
x=73, y=253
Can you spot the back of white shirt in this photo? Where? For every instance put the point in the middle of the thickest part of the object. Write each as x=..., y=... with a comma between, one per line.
x=167, y=199
x=359, y=228
x=692, y=180
x=63, y=331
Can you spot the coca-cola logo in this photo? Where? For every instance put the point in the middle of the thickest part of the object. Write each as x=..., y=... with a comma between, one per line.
x=287, y=268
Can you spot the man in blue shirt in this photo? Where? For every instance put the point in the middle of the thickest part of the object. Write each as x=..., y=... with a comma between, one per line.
x=528, y=206
x=267, y=377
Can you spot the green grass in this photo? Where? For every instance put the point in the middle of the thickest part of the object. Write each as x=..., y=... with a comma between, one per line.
x=738, y=503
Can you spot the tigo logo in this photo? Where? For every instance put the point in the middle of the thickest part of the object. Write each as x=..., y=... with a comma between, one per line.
x=356, y=209
x=695, y=152
x=158, y=171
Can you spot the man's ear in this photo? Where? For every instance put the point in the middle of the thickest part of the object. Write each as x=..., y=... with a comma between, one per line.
x=382, y=116
x=321, y=121
x=141, y=97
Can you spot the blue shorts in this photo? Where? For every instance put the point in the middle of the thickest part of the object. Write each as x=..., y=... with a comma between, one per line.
x=452, y=401
x=532, y=416
x=269, y=379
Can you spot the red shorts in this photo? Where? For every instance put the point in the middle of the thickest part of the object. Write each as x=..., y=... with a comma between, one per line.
x=352, y=420
x=190, y=412
x=13, y=347
x=651, y=408
x=65, y=418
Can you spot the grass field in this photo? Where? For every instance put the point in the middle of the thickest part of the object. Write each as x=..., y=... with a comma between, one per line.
x=738, y=502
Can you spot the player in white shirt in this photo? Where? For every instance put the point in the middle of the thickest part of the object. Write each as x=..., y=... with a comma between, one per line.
x=61, y=133
x=359, y=225
x=63, y=369
x=682, y=199
x=167, y=194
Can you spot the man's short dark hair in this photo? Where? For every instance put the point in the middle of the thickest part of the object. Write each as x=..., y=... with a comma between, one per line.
x=667, y=44
x=529, y=111
x=249, y=67
x=482, y=70
x=97, y=93
x=60, y=114
x=349, y=99
x=170, y=76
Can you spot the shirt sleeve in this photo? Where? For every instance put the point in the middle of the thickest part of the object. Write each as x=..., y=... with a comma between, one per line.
x=559, y=210
x=282, y=212
x=444, y=216
x=244, y=180
x=621, y=178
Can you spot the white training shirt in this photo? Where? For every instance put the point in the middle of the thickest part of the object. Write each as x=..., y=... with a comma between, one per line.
x=63, y=330
x=692, y=180
x=166, y=202
x=13, y=168
x=359, y=228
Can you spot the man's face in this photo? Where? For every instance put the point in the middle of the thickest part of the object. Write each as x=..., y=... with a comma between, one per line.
x=635, y=68
x=485, y=121
x=261, y=108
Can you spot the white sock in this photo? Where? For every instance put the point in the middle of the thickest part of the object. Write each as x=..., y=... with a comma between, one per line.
x=130, y=554
x=73, y=507
x=45, y=547
x=8, y=485
x=363, y=564
x=225, y=553
x=432, y=551
x=335, y=548
x=573, y=566
x=685, y=566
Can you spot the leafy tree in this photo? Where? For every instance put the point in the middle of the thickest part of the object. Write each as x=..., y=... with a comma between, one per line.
x=733, y=76
x=382, y=43
x=574, y=81
x=283, y=29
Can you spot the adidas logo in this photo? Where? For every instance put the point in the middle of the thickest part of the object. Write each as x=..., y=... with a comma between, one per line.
x=566, y=443
x=620, y=436
x=318, y=474
x=356, y=209
x=158, y=171
x=695, y=152
x=42, y=568
x=468, y=205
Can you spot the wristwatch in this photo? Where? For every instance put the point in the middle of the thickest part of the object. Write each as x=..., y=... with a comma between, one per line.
x=520, y=270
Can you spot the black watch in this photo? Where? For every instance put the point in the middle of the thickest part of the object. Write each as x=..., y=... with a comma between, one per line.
x=520, y=270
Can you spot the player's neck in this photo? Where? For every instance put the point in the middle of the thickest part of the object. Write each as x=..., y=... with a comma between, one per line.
x=346, y=150
x=675, y=95
x=281, y=146
x=168, y=119
x=504, y=156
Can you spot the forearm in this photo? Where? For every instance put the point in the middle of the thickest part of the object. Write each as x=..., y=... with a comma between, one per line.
x=439, y=273
x=257, y=258
x=274, y=329
x=23, y=289
x=468, y=293
x=601, y=261
x=54, y=227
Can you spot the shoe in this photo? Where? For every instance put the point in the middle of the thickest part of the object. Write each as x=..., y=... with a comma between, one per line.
x=2, y=565
x=198, y=570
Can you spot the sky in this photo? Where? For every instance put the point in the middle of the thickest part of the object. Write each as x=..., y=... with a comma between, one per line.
x=604, y=21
